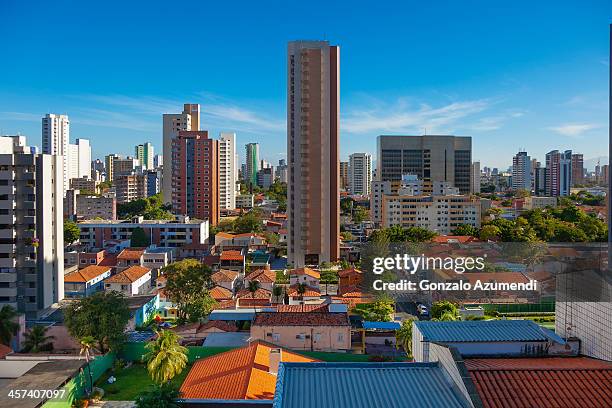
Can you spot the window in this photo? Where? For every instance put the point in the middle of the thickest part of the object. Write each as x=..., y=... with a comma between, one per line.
x=275, y=337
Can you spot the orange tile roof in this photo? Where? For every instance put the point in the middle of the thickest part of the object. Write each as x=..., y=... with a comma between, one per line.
x=131, y=254
x=226, y=304
x=260, y=293
x=108, y=260
x=306, y=271
x=301, y=308
x=86, y=274
x=220, y=293
x=224, y=235
x=310, y=292
x=237, y=374
x=445, y=239
x=231, y=256
x=262, y=275
x=301, y=319
x=350, y=291
x=345, y=273
x=542, y=382
x=130, y=275
x=224, y=275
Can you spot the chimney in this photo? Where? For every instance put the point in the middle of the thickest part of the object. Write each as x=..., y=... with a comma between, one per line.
x=276, y=355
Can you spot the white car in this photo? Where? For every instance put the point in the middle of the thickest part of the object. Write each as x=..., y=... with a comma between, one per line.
x=422, y=309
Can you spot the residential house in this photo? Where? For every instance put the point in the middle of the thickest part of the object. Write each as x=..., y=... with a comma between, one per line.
x=196, y=333
x=135, y=280
x=225, y=278
x=130, y=257
x=246, y=373
x=232, y=260
x=350, y=277
x=221, y=294
x=305, y=275
x=310, y=296
x=86, y=281
x=314, y=331
x=265, y=277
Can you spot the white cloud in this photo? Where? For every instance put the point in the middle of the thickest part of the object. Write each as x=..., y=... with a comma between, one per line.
x=573, y=129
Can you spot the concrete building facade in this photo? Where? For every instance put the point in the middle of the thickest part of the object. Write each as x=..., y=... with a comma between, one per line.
x=313, y=115
x=228, y=171
x=360, y=173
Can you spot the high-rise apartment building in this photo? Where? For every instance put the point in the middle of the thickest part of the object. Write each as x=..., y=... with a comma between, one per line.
x=281, y=171
x=344, y=175
x=431, y=158
x=521, y=171
x=228, y=171
x=577, y=169
x=145, y=154
x=55, y=140
x=195, y=176
x=476, y=177
x=108, y=165
x=124, y=166
x=79, y=159
x=252, y=163
x=189, y=119
x=360, y=173
x=130, y=187
x=31, y=227
x=558, y=173
x=313, y=91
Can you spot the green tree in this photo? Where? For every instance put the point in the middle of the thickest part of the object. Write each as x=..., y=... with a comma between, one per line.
x=403, y=336
x=72, y=233
x=103, y=316
x=360, y=215
x=188, y=282
x=489, y=232
x=249, y=222
x=346, y=236
x=8, y=326
x=380, y=311
x=165, y=357
x=443, y=306
x=277, y=291
x=346, y=205
x=447, y=316
x=158, y=396
x=139, y=238
x=36, y=340
x=253, y=287
x=466, y=229
x=301, y=289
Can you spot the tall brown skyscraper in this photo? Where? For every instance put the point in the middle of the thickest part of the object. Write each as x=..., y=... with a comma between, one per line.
x=313, y=112
x=195, y=175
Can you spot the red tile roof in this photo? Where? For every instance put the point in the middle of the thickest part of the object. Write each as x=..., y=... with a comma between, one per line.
x=345, y=273
x=305, y=271
x=542, y=382
x=260, y=293
x=132, y=254
x=301, y=308
x=462, y=239
x=310, y=292
x=86, y=274
x=301, y=319
x=262, y=275
x=224, y=275
x=220, y=293
x=109, y=260
x=237, y=374
x=231, y=256
x=130, y=275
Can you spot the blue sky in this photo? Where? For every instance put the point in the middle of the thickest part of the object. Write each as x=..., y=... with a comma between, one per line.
x=522, y=74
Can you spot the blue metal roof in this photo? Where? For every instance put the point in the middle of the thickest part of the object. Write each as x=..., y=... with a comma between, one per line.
x=365, y=385
x=231, y=315
x=485, y=331
x=381, y=325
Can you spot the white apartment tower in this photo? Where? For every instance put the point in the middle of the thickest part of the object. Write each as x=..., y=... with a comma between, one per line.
x=313, y=112
x=189, y=119
x=55, y=140
x=31, y=227
x=360, y=173
x=145, y=154
x=228, y=171
x=79, y=159
x=476, y=177
x=521, y=172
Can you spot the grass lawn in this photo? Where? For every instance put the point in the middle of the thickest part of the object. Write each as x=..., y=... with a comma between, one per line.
x=131, y=381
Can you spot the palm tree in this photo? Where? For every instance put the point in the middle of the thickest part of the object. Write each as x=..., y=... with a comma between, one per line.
x=403, y=336
x=301, y=289
x=447, y=316
x=87, y=343
x=253, y=287
x=36, y=340
x=8, y=327
x=277, y=291
x=166, y=357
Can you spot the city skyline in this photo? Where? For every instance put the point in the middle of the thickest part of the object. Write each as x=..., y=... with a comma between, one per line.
x=502, y=91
